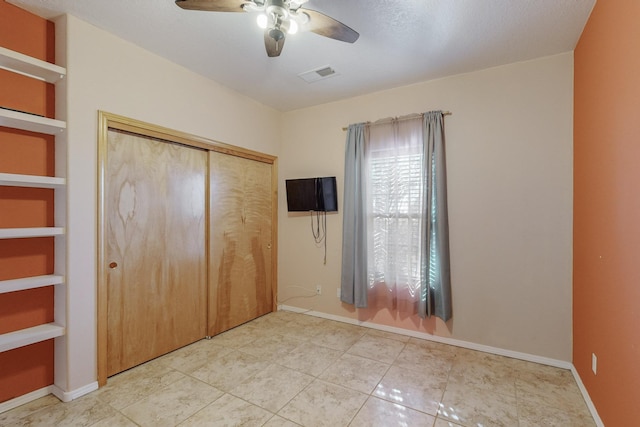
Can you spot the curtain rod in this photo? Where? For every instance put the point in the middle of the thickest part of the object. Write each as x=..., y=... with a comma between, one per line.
x=444, y=113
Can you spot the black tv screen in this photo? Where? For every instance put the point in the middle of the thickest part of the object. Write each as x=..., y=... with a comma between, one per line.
x=312, y=194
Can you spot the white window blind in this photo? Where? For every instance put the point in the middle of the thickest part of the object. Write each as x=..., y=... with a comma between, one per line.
x=395, y=195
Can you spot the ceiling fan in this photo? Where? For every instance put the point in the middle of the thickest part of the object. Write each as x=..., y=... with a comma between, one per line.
x=279, y=17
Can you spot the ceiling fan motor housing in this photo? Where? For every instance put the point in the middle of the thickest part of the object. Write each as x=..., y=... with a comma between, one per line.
x=279, y=8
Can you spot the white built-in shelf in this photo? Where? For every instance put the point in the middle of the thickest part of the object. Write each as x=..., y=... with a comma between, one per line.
x=28, y=336
x=17, y=233
x=16, y=180
x=30, y=122
x=23, y=64
x=29, y=283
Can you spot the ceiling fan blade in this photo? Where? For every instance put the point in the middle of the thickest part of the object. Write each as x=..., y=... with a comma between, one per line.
x=326, y=26
x=213, y=5
x=273, y=42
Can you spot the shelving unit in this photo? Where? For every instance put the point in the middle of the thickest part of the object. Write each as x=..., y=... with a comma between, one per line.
x=34, y=181
x=24, y=121
x=31, y=67
x=23, y=233
x=14, y=285
x=51, y=73
x=23, y=337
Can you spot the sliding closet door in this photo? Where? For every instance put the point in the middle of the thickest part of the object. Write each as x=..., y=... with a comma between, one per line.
x=241, y=240
x=155, y=214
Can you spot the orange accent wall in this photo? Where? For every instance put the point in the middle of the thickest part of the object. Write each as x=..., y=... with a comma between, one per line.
x=606, y=273
x=27, y=368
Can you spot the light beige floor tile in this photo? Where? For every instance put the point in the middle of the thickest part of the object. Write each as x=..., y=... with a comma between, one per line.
x=380, y=413
x=11, y=417
x=117, y=420
x=441, y=422
x=323, y=404
x=309, y=320
x=272, y=388
x=432, y=345
x=360, y=330
x=228, y=411
x=238, y=337
x=533, y=414
x=173, y=404
x=465, y=355
x=417, y=390
x=338, y=338
x=229, y=370
x=286, y=315
x=472, y=407
x=191, y=357
x=552, y=387
x=131, y=386
x=303, y=332
x=381, y=349
x=310, y=358
x=271, y=347
x=355, y=372
x=84, y=411
x=425, y=359
x=296, y=331
x=484, y=375
x=389, y=335
x=278, y=421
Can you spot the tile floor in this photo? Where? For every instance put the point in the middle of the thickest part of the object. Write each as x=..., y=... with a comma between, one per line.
x=287, y=369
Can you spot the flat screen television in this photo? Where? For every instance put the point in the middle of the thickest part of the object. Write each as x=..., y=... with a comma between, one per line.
x=312, y=194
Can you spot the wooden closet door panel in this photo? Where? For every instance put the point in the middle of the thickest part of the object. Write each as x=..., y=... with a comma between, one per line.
x=155, y=202
x=240, y=241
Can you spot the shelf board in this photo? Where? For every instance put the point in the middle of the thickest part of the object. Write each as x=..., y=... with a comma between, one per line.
x=32, y=67
x=27, y=336
x=30, y=122
x=18, y=233
x=29, y=283
x=16, y=180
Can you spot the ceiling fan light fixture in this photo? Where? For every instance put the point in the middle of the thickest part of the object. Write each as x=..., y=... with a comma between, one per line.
x=293, y=27
x=262, y=21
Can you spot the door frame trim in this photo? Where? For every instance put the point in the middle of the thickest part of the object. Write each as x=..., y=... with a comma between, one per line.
x=108, y=121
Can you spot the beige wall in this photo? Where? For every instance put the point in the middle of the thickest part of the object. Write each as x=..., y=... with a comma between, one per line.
x=509, y=156
x=107, y=73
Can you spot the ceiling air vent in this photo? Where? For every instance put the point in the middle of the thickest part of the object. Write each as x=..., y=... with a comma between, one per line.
x=318, y=74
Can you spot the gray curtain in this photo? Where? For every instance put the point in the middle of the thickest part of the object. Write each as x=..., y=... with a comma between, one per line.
x=436, y=277
x=353, y=289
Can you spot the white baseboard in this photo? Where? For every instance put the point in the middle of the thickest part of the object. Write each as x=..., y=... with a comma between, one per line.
x=587, y=398
x=25, y=398
x=425, y=336
x=465, y=344
x=65, y=396
x=68, y=396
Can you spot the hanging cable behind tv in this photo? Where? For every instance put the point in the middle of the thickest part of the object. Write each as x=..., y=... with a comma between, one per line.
x=320, y=232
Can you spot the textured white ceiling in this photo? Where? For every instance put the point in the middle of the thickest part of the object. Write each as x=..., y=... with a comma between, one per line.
x=401, y=41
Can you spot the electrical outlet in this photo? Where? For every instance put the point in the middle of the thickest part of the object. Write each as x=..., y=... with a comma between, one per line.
x=338, y=292
x=594, y=363
x=318, y=290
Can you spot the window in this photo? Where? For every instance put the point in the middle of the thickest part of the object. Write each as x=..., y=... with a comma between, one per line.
x=395, y=242
x=395, y=190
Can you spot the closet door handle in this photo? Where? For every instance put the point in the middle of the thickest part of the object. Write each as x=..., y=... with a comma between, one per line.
x=268, y=245
x=113, y=265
